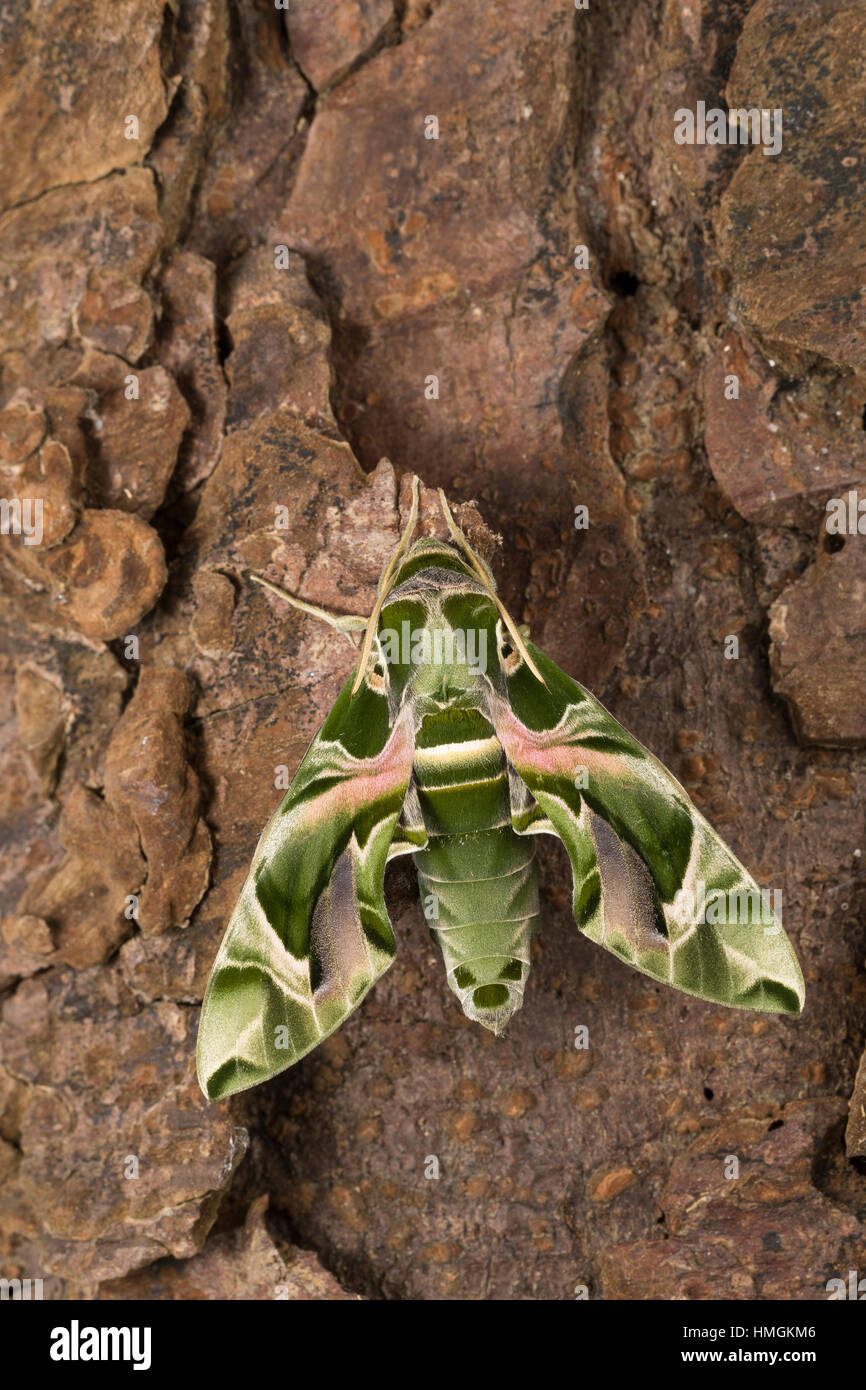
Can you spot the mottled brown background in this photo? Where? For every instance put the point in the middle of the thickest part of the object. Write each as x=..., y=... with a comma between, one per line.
x=262, y=387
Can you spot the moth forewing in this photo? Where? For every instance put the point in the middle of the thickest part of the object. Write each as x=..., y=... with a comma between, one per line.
x=310, y=933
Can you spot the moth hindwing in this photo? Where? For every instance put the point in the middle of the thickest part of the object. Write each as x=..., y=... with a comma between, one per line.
x=458, y=741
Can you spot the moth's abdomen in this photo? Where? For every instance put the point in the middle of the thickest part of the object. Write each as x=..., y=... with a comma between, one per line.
x=478, y=880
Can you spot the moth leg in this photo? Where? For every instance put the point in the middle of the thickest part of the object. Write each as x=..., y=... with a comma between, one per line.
x=410, y=833
x=346, y=623
x=484, y=575
x=385, y=585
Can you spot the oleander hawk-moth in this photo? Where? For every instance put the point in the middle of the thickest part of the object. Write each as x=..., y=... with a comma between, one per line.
x=458, y=741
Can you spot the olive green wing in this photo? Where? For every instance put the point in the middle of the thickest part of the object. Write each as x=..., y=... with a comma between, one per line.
x=310, y=933
x=653, y=882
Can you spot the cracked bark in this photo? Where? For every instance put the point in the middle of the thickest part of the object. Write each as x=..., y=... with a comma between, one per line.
x=559, y=388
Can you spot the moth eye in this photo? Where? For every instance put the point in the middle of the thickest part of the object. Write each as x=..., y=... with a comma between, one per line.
x=377, y=673
x=509, y=659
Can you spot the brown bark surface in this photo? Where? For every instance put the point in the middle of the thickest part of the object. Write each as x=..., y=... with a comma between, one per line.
x=231, y=262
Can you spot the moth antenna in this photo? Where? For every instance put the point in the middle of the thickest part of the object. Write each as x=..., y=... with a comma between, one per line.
x=385, y=585
x=457, y=535
x=347, y=623
x=403, y=543
x=484, y=575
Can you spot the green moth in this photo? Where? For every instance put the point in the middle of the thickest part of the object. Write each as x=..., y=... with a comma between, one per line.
x=457, y=741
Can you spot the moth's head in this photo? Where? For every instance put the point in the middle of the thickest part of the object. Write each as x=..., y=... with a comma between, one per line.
x=437, y=629
x=431, y=554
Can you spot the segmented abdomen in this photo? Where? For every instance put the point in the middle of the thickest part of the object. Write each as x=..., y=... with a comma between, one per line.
x=478, y=879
